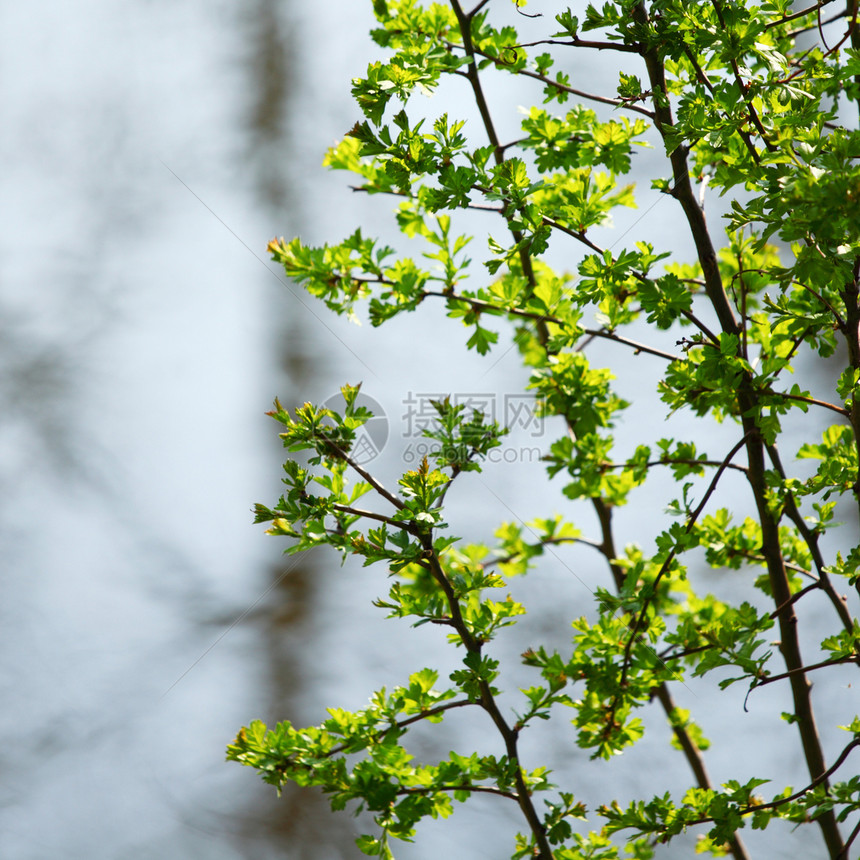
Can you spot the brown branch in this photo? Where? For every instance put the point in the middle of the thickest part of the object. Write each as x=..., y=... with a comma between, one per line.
x=635, y=627
x=359, y=512
x=479, y=206
x=789, y=643
x=744, y=91
x=811, y=401
x=519, y=4
x=839, y=321
x=811, y=539
x=849, y=841
x=801, y=670
x=815, y=782
x=791, y=34
x=700, y=73
x=390, y=497
x=434, y=566
x=507, y=559
x=401, y=724
x=795, y=15
x=635, y=345
x=848, y=34
x=620, y=103
x=760, y=559
x=850, y=295
x=748, y=400
x=487, y=789
x=580, y=236
x=683, y=190
x=607, y=549
x=576, y=234
x=576, y=42
x=487, y=699
x=517, y=142
x=689, y=748
x=477, y=9
x=640, y=276
x=465, y=21
x=775, y=804
x=465, y=25
x=687, y=652
x=480, y=305
x=691, y=752
x=795, y=598
x=851, y=8
x=676, y=461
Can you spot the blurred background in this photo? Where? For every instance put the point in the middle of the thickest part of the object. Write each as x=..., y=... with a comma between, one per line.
x=150, y=149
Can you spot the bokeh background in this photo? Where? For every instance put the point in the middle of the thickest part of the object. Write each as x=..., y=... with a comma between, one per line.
x=149, y=151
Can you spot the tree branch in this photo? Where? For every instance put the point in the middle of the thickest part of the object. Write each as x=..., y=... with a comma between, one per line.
x=801, y=670
x=811, y=540
x=390, y=497
x=465, y=23
x=683, y=190
x=576, y=42
x=691, y=752
x=851, y=298
x=671, y=557
x=359, y=512
x=488, y=701
x=678, y=461
x=811, y=401
x=787, y=620
x=480, y=305
x=801, y=14
x=775, y=804
x=795, y=598
x=429, y=789
x=619, y=103
x=507, y=559
x=402, y=724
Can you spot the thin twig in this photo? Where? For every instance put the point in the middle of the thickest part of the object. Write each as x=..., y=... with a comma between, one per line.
x=671, y=557
x=795, y=15
x=620, y=103
x=370, y=515
x=812, y=401
x=569, y=231
x=478, y=304
x=390, y=497
x=811, y=539
x=700, y=73
x=691, y=752
x=576, y=42
x=479, y=206
x=507, y=559
x=487, y=789
x=744, y=91
x=775, y=804
x=401, y=724
x=674, y=461
x=801, y=670
x=843, y=855
x=794, y=598
x=794, y=33
x=477, y=9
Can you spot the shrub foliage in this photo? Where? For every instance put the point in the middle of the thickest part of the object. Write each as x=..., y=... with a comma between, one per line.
x=758, y=328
